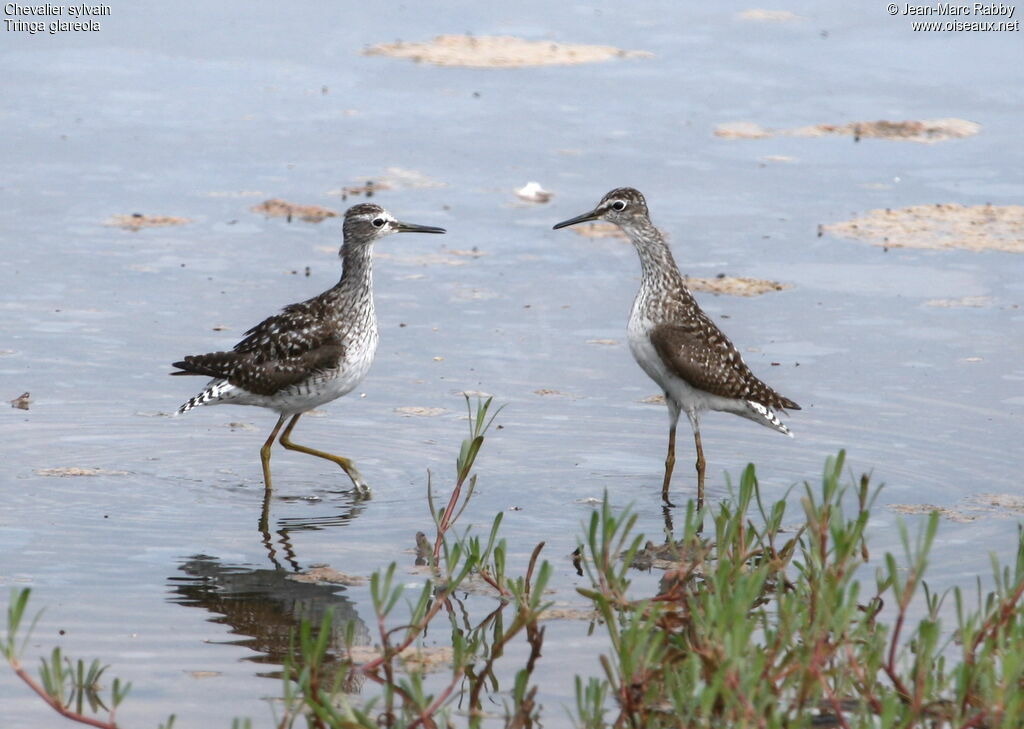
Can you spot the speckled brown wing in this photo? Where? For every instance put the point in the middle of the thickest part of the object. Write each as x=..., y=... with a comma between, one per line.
x=262, y=377
x=698, y=352
x=281, y=351
x=298, y=329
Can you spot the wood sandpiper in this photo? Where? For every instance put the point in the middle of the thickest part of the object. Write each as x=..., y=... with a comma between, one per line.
x=677, y=344
x=312, y=352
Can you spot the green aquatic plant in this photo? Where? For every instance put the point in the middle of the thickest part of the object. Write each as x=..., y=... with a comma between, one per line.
x=476, y=645
x=479, y=424
x=758, y=626
x=66, y=686
x=775, y=617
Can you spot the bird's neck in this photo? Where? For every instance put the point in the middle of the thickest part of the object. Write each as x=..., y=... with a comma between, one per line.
x=659, y=267
x=356, y=273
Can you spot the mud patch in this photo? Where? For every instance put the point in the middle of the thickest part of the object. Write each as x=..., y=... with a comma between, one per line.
x=653, y=400
x=735, y=285
x=569, y=613
x=1001, y=504
x=599, y=230
x=973, y=508
x=414, y=658
x=277, y=208
x=138, y=221
x=923, y=509
x=366, y=189
x=927, y=131
x=547, y=392
x=22, y=401
x=393, y=177
x=323, y=574
x=976, y=302
x=940, y=226
x=499, y=52
x=65, y=471
x=420, y=412
x=472, y=393
x=760, y=15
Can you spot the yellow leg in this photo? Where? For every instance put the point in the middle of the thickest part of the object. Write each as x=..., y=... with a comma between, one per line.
x=265, y=454
x=346, y=465
x=700, y=468
x=670, y=463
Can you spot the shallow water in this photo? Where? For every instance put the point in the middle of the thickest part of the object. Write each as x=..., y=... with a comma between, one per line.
x=203, y=112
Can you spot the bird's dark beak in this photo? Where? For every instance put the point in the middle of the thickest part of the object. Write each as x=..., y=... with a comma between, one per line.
x=413, y=228
x=592, y=215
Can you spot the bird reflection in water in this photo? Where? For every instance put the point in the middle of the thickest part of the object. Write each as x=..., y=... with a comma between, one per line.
x=287, y=525
x=265, y=607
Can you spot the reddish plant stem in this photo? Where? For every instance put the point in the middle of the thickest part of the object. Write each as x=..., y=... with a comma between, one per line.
x=445, y=523
x=428, y=721
x=427, y=714
x=732, y=681
x=56, y=705
x=876, y=705
x=978, y=720
x=890, y=666
x=837, y=709
x=486, y=577
x=414, y=630
x=533, y=563
x=1005, y=613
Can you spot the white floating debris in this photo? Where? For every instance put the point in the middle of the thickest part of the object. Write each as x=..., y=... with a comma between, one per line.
x=533, y=192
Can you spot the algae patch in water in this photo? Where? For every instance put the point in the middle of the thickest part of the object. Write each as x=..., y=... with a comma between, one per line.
x=735, y=285
x=975, y=507
x=138, y=221
x=760, y=15
x=420, y=412
x=599, y=230
x=976, y=302
x=925, y=131
x=323, y=574
x=939, y=226
x=499, y=52
x=64, y=471
x=277, y=208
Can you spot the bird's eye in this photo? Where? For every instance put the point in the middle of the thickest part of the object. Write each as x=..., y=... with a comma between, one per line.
x=378, y=222
x=618, y=205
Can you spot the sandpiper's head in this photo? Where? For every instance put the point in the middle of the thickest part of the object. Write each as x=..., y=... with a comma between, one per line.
x=621, y=206
x=366, y=222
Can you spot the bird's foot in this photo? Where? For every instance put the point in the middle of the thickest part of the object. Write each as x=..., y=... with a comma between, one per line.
x=362, y=489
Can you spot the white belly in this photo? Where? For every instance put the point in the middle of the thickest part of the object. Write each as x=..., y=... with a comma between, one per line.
x=332, y=384
x=680, y=394
x=313, y=392
x=320, y=390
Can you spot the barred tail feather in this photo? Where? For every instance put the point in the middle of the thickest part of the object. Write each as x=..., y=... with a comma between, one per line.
x=214, y=391
x=767, y=417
